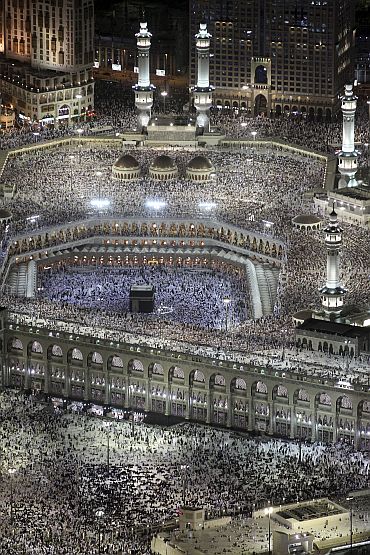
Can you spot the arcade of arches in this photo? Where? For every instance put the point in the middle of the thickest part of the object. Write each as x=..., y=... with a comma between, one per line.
x=201, y=389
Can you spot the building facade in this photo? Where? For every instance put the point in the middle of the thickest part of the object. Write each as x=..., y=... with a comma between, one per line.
x=96, y=370
x=47, y=58
x=276, y=56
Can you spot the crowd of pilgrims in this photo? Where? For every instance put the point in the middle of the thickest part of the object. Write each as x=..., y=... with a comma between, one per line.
x=181, y=295
x=269, y=187
x=59, y=474
x=114, y=108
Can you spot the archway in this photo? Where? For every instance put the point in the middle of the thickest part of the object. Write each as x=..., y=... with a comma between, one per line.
x=260, y=75
x=260, y=105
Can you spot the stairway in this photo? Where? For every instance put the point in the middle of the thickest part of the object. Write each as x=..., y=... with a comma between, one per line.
x=17, y=281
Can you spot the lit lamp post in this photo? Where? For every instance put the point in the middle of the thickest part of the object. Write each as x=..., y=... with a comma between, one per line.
x=78, y=97
x=71, y=173
x=11, y=471
x=253, y=133
x=350, y=521
x=99, y=515
x=299, y=421
x=184, y=468
x=226, y=302
x=107, y=426
x=164, y=94
x=80, y=133
x=98, y=175
x=268, y=512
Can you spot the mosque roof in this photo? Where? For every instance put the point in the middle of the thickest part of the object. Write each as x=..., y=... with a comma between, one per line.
x=5, y=214
x=306, y=219
x=127, y=162
x=200, y=163
x=163, y=162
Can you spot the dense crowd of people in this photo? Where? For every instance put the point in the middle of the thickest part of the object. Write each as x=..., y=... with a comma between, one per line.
x=77, y=483
x=181, y=295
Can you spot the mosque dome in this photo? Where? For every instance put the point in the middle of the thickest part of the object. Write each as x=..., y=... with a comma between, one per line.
x=307, y=222
x=163, y=167
x=126, y=161
x=200, y=163
x=5, y=215
x=126, y=167
x=163, y=162
x=199, y=168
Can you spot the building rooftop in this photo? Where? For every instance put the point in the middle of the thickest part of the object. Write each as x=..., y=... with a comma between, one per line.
x=333, y=328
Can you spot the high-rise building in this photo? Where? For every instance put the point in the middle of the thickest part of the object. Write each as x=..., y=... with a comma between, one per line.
x=271, y=56
x=47, y=58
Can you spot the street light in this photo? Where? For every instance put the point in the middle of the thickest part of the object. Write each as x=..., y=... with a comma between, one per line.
x=254, y=133
x=351, y=521
x=78, y=97
x=164, y=94
x=226, y=302
x=11, y=471
x=98, y=175
x=99, y=515
x=268, y=512
x=107, y=426
x=71, y=174
x=184, y=468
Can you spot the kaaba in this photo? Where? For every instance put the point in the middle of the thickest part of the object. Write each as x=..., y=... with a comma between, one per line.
x=142, y=298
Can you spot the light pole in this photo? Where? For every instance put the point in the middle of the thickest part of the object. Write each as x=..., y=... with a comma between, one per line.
x=351, y=521
x=253, y=133
x=164, y=94
x=11, y=471
x=268, y=512
x=78, y=97
x=226, y=302
x=71, y=173
x=299, y=420
x=99, y=515
x=80, y=133
x=184, y=468
x=107, y=426
x=98, y=175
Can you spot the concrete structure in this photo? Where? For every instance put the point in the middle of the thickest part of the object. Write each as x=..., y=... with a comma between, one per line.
x=163, y=168
x=348, y=156
x=202, y=92
x=125, y=168
x=101, y=371
x=144, y=89
x=46, y=69
x=278, y=57
x=285, y=543
x=307, y=222
x=332, y=293
x=306, y=515
x=199, y=168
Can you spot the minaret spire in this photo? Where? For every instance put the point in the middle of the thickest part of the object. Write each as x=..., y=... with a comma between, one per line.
x=348, y=155
x=202, y=92
x=144, y=89
x=333, y=291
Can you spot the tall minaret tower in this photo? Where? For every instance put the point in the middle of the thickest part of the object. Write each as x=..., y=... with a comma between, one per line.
x=202, y=92
x=332, y=293
x=348, y=155
x=144, y=89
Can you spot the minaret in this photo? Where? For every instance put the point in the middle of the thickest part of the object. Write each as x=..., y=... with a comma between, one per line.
x=202, y=92
x=332, y=293
x=348, y=155
x=143, y=89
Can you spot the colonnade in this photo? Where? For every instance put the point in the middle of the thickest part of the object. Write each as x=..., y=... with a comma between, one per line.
x=192, y=389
